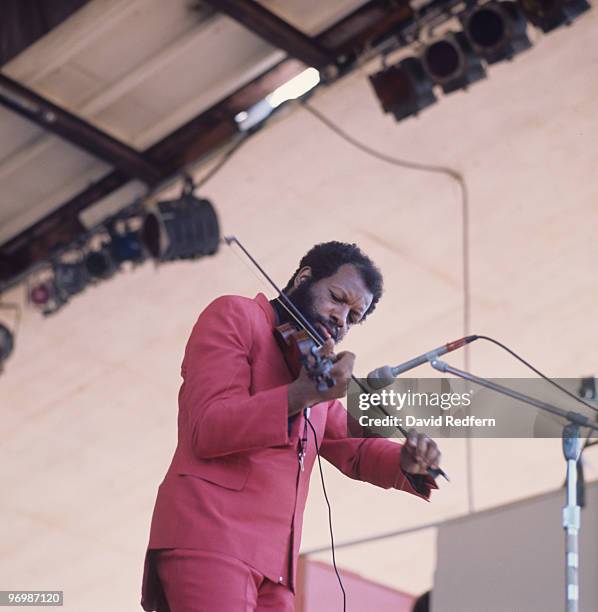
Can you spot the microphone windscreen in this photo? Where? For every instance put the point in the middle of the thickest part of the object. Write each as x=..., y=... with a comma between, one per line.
x=380, y=378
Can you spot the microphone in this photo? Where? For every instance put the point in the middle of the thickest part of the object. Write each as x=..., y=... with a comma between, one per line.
x=385, y=375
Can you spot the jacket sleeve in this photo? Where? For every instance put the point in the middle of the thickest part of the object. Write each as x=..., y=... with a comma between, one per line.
x=373, y=460
x=215, y=400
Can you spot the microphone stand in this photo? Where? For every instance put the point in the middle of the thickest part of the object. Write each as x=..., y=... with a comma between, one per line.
x=571, y=452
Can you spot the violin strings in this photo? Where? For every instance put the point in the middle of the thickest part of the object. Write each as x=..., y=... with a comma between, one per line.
x=314, y=338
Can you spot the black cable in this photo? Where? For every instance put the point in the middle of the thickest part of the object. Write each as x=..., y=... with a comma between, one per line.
x=452, y=173
x=587, y=442
x=457, y=176
x=329, y=515
x=531, y=367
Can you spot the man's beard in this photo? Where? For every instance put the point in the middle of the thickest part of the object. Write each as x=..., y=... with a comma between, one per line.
x=303, y=300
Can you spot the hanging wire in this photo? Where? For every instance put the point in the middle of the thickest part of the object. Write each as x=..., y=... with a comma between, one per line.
x=465, y=255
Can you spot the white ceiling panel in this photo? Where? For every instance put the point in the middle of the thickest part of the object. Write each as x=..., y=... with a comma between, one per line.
x=131, y=43
x=127, y=117
x=57, y=172
x=69, y=86
x=64, y=42
x=222, y=58
x=312, y=16
x=143, y=57
x=150, y=28
x=15, y=134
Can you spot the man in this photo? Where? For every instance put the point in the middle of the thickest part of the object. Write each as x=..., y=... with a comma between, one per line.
x=226, y=527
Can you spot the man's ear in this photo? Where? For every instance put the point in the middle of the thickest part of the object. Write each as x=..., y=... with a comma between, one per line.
x=303, y=275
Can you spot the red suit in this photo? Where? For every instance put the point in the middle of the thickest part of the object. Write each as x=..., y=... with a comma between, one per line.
x=234, y=485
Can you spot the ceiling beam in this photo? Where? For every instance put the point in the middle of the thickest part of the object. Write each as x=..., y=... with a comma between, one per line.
x=56, y=229
x=62, y=44
x=207, y=131
x=361, y=28
x=73, y=129
x=276, y=31
x=356, y=23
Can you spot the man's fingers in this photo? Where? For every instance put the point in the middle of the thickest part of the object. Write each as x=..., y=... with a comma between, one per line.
x=424, y=449
x=436, y=461
x=432, y=457
x=343, y=365
x=327, y=349
x=422, y=446
x=346, y=357
x=412, y=438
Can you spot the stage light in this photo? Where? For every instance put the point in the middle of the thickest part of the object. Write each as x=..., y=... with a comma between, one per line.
x=496, y=30
x=451, y=62
x=404, y=88
x=125, y=243
x=6, y=343
x=291, y=90
x=550, y=14
x=7, y=337
x=99, y=263
x=55, y=301
x=40, y=294
x=185, y=228
x=41, y=291
x=69, y=278
x=294, y=88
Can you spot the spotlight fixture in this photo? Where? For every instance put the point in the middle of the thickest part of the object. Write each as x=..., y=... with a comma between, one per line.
x=550, y=14
x=69, y=278
x=40, y=294
x=41, y=291
x=496, y=30
x=47, y=298
x=125, y=243
x=6, y=343
x=451, y=62
x=185, y=228
x=7, y=337
x=404, y=88
x=99, y=263
x=295, y=88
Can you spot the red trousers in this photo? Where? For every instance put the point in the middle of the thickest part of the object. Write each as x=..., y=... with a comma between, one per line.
x=200, y=581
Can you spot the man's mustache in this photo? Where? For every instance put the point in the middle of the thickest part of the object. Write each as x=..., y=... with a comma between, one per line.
x=331, y=327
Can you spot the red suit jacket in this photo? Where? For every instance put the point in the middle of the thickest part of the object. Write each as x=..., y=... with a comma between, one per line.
x=234, y=485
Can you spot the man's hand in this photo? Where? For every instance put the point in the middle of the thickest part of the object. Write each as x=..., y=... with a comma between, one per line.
x=303, y=391
x=419, y=453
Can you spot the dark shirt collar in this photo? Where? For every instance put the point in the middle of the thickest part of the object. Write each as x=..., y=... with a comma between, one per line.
x=282, y=316
x=268, y=308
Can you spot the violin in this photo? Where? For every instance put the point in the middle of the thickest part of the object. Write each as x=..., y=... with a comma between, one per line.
x=300, y=349
x=299, y=341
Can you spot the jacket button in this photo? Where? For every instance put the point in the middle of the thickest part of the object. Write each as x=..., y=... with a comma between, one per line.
x=280, y=579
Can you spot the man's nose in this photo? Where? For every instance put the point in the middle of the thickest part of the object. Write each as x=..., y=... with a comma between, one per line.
x=339, y=317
